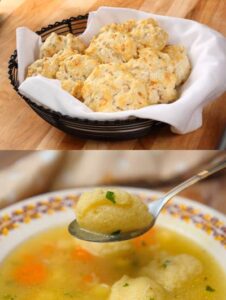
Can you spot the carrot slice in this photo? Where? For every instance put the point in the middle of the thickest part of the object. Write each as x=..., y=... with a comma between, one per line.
x=88, y=278
x=31, y=272
x=81, y=254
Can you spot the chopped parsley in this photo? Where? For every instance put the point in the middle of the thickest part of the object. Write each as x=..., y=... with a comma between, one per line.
x=110, y=196
x=166, y=263
x=125, y=284
x=209, y=289
x=116, y=232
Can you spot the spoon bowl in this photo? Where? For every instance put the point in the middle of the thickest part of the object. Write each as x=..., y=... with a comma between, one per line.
x=96, y=237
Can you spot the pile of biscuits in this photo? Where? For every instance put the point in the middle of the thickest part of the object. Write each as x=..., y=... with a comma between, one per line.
x=126, y=66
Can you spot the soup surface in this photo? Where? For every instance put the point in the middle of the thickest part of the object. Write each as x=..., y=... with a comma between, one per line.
x=53, y=265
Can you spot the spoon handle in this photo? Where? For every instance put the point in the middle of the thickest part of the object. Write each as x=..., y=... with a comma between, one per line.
x=201, y=175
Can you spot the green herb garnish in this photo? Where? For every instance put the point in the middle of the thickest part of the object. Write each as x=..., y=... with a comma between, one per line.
x=166, y=263
x=209, y=289
x=110, y=196
x=116, y=232
x=126, y=284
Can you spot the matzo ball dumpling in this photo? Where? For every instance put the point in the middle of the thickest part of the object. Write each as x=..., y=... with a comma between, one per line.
x=114, y=249
x=172, y=272
x=112, y=46
x=147, y=33
x=55, y=43
x=140, y=288
x=111, y=88
x=180, y=61
x=110, y=211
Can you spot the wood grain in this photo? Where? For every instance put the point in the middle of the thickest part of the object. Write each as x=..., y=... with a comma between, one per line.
x=21, y=128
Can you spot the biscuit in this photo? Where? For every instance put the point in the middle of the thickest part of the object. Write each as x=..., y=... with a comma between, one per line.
x=112, y=47
x=75, y=43
x=52, y=45
x=125, y=27
x=73, y=70
x=44, y=66
x=55, y=43
x=60, y=56
x=180, y=61
x=73, y=87
x=156, y=70
x=48, y=66
x=111, y=88
x=147, y=33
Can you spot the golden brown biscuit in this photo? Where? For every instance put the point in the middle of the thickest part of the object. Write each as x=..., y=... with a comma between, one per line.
x=44, y=66
x=73, y=87
x=180, y=61
x=112, y=46
x=73, y=71
x=147, y=33
x=111, y=88
x=48, y=66
x=75, y=43
x=61, y=56
x=55, y=43
x=52, y=45
x=156, y=70
x=125, y=27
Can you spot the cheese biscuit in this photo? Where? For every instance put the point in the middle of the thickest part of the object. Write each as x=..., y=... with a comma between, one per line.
x=111, y=88
x=180, y=61
x=156, y=70
x=112, y=47
x=55, y=43
x=44, y=66
x=73, y=71
x=147, y=33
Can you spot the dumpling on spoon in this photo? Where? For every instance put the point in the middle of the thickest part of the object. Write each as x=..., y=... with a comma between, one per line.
x=110, y=211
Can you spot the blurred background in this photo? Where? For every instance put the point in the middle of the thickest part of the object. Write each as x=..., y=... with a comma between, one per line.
x=27, y=173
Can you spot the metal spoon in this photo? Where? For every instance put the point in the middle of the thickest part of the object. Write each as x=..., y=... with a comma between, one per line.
x=154, y=208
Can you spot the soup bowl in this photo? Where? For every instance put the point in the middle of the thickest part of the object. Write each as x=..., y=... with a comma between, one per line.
x=201, y=224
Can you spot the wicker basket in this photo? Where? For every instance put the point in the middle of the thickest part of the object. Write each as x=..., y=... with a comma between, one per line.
x=104, y=130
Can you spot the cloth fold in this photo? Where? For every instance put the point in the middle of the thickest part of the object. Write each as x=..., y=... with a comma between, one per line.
x=206, y=49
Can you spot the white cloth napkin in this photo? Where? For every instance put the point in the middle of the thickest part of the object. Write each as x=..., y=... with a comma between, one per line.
x=207, y=52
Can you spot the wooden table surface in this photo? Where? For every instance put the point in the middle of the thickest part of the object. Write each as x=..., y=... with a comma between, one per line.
x=21, y=128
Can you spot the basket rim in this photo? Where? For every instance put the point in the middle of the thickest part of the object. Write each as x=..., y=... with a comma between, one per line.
x=12, y=64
